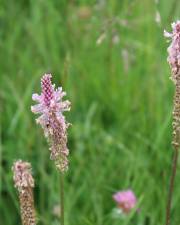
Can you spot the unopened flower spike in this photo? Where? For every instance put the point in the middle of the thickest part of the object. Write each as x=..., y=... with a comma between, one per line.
x=24, y=183
x=51, y=107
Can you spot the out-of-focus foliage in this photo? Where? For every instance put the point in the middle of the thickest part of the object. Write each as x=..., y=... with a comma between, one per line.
x=110, y=57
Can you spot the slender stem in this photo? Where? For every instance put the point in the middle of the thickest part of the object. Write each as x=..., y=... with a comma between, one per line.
x=62, y=198
x=171, y=186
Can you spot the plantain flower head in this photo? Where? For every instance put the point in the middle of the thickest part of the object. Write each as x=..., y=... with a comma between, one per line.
x=24, y=183
x=22, y=175
x=174, y=49
x=50, y=106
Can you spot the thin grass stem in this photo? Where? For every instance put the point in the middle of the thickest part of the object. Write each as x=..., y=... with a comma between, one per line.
x=171, y=186
x=62, y=198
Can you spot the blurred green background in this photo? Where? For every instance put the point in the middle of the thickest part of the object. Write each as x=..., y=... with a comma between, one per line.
x=110, y=58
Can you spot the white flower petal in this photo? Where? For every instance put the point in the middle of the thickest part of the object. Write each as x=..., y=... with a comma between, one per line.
x=167, y=34
x=36, y=97
x=37, y=108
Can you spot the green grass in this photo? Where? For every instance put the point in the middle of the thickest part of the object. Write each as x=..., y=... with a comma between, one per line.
x=121, y=118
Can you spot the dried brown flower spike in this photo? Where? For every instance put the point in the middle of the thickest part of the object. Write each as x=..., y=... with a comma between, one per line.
x=24, y=183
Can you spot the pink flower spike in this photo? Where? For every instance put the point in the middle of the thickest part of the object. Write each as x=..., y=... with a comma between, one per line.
x=22, y=175
x=126, y=200
x=174, y=50
x=51, y=107
x=24, y=183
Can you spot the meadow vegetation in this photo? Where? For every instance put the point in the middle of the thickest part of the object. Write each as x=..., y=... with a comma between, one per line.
x=110, y=58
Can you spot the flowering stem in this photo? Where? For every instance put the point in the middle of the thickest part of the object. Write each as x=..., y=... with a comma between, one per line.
x=171, y=186
x=62, y=198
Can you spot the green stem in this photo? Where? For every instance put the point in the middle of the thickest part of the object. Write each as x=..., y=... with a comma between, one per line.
x=62, y=198
x=171, y=186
